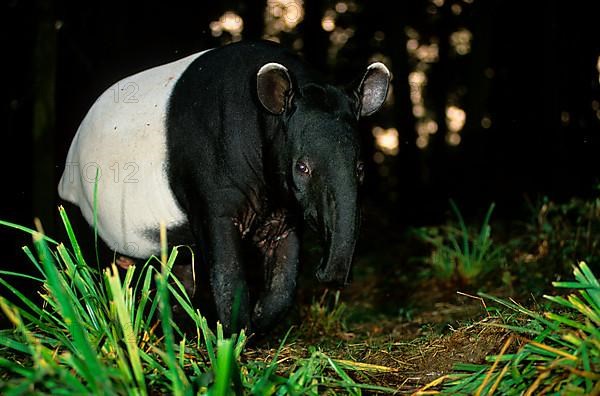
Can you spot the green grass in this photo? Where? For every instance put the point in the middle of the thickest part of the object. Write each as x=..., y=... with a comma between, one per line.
x=556, y=353
x=551, y=352
x=460, y=253
x=99, y=334
x=104, y=331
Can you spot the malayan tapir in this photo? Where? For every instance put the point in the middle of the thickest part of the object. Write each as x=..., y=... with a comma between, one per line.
x=232, y=145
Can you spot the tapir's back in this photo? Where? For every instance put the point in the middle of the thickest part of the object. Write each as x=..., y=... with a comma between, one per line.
x=123, y=137
x=194, y=112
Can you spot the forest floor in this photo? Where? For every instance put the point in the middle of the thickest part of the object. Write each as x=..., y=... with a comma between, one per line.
x=404, y=351
x=396, y=328
x=402, y=326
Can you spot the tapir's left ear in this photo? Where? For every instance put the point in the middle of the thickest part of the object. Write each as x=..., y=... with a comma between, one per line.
x=274, y=87
x=373, y=89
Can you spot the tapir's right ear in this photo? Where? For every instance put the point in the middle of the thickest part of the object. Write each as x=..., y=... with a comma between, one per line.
x=373, y=89
x=274, y=87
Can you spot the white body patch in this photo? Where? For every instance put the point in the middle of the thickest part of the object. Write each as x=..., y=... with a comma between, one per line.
x=123, y=138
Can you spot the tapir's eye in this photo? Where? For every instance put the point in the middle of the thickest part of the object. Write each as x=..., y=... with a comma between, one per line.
x=301, y=167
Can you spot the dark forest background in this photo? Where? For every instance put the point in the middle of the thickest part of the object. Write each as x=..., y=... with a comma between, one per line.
x=524, y=74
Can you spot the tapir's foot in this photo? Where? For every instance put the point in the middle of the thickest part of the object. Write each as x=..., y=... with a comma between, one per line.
x=269, y=310
x=124, y=262
x=260, y=321
x=185, y=274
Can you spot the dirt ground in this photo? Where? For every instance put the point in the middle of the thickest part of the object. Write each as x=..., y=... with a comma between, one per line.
x=409, y=334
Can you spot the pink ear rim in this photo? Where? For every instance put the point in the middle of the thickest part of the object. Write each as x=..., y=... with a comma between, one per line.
x=273, y=86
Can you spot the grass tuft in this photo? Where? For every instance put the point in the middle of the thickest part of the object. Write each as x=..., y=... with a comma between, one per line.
x=459, y=252
x=105, y=332
x=557, y=352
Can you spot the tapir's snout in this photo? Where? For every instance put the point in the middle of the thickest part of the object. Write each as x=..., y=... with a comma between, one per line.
x=340, y=230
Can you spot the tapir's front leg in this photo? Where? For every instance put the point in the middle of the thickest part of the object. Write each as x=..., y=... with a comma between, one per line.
x=221, y=246
x=281, y=270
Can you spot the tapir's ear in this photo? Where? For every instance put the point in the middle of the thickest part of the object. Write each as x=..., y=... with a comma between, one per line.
x=274, y=87
x=373, y=89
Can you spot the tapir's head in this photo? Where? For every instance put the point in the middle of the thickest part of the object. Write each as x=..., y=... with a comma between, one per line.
x=321, y=159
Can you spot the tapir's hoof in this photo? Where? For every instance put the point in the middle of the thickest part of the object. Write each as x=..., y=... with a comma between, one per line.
x=124, y=262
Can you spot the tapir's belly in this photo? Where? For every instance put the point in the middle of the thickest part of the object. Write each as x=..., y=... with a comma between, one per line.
x=122, y=140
